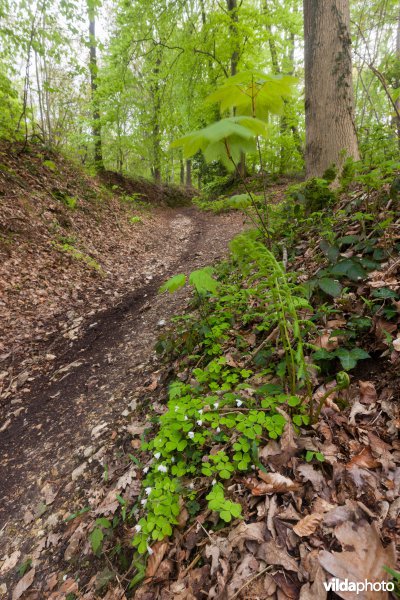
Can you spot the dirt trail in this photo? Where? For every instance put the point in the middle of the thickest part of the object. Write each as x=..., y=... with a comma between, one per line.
x=95, y=381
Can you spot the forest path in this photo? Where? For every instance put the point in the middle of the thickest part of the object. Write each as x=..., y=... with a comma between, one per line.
x=97, y=380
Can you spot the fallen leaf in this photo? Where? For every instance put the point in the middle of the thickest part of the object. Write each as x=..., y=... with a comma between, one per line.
x=274, y=483
x=358, y=409
x=364, y=562
x=308, y=525
x=273, y=555
x=327, y=342
x=48, y=494
x=363, y=459
x=136, y=427
x=316, y=590
x=159, y=549
x=244, y=571
x=287, y=442
x=244, y=532
x=23, y=584
x=10, y=561
x=308, y=472
x=368, y=393
x=213, y=551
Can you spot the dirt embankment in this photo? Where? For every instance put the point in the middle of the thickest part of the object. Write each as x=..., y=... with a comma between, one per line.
x=69, y=245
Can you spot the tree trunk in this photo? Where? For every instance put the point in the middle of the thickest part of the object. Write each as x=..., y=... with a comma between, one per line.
x=96, y=125
x=182, y=171
x=189, y=173
x=234, y=17
x=330, y=127
x=155, y=92
x=398, y=80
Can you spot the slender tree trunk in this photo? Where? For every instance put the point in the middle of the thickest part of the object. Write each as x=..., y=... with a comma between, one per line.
x=155, y=92
x=182, y=171
x=96, y=125
x=234, y=17
x=189, y=173
x=330, y=127
x=398, y=80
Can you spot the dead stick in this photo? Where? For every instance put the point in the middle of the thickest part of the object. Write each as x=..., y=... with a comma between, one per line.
x=261, y=346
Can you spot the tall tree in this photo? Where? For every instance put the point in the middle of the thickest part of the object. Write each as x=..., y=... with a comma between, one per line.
x=96, y=124
x=330, y=125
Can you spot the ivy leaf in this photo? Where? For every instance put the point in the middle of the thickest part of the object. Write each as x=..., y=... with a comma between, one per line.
x=330, y=286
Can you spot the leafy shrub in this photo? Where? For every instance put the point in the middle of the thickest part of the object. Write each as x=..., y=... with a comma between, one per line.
x=313, y=195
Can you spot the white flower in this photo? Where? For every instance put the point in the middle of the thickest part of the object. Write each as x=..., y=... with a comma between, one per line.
x=148, y=490
x=146, y=470
x=191, y=485
x=218, y=429
x=253, y=467
x=238, y=402
x=143, y=502
x=214, y=481
x=162, y=468
x=185, y=418
x=173, y=459
x=138, y=528
x=200, y=411
x=200, y=422
x=191, y=434
x=149, y=550
x=176, y=408
x=216, y=404
x=157, y=455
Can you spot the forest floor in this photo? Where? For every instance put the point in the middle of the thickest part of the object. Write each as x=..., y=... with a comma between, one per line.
x=81, y=383
x=74, y=396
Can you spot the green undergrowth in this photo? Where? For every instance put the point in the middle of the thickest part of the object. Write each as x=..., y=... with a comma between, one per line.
x=248, y=355
x=247, y=350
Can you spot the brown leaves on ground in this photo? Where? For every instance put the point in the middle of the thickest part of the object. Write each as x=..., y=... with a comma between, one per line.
x=308, y=525
x=364, y=561
x=158, y=552
x=23, y=584
x=271, y=483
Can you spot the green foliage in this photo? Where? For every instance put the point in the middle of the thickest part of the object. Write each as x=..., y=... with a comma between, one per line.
x=201, y=280
x=11, y=108
x=78, y=255
x=49, y=164
x=313, y=195
x=254, y=93
x=173, y=284
x=224, y=140
x=135, y=219
x=348, y=357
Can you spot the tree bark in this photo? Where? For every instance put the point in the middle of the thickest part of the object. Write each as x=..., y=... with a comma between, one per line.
x=234, y=17
x=398, y=80
x=330, y=127
x=96, y=125
x=189, y=173
x=181, y=171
